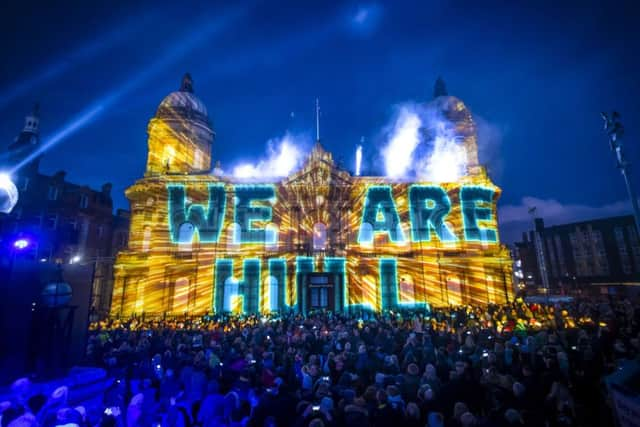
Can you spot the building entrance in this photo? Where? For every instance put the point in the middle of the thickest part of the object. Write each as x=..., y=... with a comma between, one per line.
x=320, y=291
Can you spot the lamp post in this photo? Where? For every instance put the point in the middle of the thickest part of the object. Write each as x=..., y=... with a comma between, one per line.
x=615, y=131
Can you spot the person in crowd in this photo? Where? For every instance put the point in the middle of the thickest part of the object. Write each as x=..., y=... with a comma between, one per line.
x=505, y=365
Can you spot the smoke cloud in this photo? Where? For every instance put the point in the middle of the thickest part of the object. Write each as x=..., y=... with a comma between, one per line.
x=421, y=144
x=284, y=155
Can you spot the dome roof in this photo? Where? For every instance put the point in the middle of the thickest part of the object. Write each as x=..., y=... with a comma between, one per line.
x=183, y=103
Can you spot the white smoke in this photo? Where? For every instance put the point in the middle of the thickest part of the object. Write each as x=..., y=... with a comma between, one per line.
x=404, y=139
x=284, y=155
x=422, y=144
x=358, y=159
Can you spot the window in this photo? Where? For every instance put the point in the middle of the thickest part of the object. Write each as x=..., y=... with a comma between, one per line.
x=100, y=231
x=454, y=290
x=197, y=159
x=146, y=239
x=271, y=235
x=366, y=234
x=84, y=201
x=273, y=293
x=233, y=236
x=181, y=295
x=231, y=288
x=406, y=289
x=185, y=237
x=53, y=193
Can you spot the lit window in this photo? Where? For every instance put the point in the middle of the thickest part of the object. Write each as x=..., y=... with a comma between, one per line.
x=181, y=295
x=231, y=289
x=185, y=237
x=273, y=293
x=146, y=239
x=197, y=159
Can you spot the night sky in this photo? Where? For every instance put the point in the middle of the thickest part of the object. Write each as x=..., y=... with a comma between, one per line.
x=535, y=77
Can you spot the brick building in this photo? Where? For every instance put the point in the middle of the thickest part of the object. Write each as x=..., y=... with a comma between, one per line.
x=68, y=223
x=603, y=252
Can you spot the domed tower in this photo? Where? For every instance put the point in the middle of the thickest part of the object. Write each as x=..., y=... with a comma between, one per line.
x=461, y=121
x=180, y=134
x=27, y=142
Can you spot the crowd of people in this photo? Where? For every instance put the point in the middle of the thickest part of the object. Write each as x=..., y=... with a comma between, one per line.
x=518, y=364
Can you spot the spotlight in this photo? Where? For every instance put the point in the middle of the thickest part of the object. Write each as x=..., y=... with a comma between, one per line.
x=21, y=244
x=8, y=193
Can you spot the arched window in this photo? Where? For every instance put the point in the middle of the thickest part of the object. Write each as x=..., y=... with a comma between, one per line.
x=406, y=289
x=454, y=290
x=181, y=295
x=319, y=236
x=233, y=235
x=231, y=290
x=168, y=155
x=197, y=159
x=146, y=239
x=140, y=296
x=491, y=290
x=365, y=237
x=271, y=235
x=273, y=294
x=185, y=236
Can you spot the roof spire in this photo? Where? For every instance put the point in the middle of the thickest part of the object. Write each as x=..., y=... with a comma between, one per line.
x=317, y=120
x=187, y=83
x=439, y=88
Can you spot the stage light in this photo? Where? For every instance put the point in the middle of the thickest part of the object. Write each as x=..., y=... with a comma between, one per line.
x=21, y=244
x=8, y=193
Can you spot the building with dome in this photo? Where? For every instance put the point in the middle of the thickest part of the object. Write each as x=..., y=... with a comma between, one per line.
x=318, y=239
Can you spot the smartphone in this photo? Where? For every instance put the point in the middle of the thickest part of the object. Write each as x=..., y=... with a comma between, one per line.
x=316, y=407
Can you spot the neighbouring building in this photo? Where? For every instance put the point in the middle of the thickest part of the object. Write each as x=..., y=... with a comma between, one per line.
x=602, y=252
x=67, y=223
x=320, y=238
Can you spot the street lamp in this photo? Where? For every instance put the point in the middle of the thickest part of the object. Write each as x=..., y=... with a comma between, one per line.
x=615, y=131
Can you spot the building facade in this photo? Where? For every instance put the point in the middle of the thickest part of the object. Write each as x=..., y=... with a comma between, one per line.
x=67, y=223
x=320, y=238
x=602, y=252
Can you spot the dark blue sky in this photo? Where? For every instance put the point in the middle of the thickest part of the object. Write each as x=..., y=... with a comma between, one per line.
x=536, y=74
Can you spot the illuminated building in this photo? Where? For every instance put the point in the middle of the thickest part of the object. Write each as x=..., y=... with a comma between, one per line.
x=318, y=238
